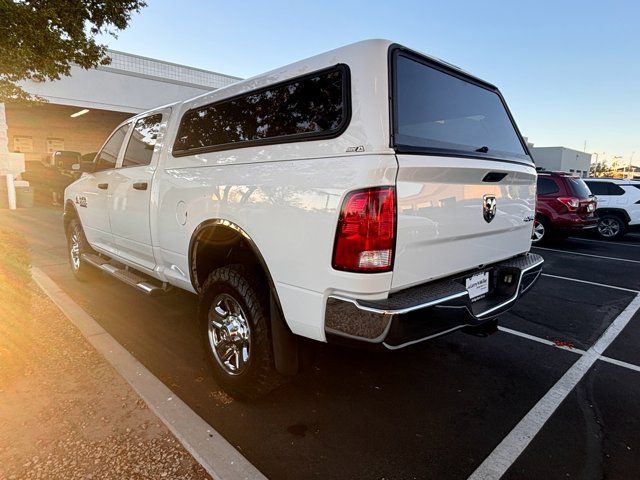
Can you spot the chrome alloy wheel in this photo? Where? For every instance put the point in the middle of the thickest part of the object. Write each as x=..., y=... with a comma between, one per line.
x=229, y=334
x=609, y=227
x=74, y=249
x=538, y=231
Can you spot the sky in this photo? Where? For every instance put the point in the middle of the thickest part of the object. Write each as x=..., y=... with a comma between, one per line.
x=569, y=70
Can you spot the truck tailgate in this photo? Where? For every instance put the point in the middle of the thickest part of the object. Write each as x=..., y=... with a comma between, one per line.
x=441, y=226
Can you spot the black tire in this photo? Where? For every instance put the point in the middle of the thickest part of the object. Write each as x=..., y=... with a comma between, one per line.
x=611, y=227
x=77, y=245
x=256, y=375
x=542, y=231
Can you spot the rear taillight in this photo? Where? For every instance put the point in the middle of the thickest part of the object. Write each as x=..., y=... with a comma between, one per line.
x=365, y=237
x=572, y=203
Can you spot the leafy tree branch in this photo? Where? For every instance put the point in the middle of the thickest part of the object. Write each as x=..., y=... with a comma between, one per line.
x=41, y=39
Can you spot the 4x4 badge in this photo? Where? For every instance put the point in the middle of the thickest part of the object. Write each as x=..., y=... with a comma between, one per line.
x=489, y=206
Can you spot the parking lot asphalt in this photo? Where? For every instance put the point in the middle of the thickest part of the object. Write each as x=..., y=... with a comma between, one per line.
x=436, y=410
x=594, y=433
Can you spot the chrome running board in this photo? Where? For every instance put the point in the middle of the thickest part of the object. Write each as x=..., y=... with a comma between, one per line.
x=124, y=274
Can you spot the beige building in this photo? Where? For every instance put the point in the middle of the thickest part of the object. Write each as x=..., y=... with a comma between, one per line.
x=85, y=107
x=561, y=159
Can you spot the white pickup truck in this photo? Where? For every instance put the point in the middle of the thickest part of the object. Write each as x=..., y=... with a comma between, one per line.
x=369, y=194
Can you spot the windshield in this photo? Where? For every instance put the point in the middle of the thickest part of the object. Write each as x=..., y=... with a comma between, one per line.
x=438, y=111
x=579, y=188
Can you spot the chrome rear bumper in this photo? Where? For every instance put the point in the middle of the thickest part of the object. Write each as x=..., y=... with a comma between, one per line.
x=433, y=309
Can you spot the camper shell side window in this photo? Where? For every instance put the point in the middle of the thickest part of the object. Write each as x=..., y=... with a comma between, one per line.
x=310, y=107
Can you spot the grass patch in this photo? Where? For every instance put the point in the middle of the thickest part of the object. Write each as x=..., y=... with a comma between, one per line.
x=15, y=278
x=15, y=303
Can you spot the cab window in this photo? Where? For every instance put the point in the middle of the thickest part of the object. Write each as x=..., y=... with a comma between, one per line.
x=143, y=139
x=108, y=156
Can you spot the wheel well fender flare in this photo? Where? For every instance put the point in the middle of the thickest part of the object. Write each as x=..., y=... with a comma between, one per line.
x=285, y=343
x=542, y=216
x=619, y=212
x=197, y=236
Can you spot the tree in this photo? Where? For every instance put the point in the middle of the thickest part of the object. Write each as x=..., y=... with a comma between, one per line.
x=41, y=39
x=597, y=169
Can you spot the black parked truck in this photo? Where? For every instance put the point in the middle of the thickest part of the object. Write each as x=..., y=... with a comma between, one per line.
x=50, y=177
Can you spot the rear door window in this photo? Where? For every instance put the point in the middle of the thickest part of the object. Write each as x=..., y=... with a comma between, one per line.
x=547, y=186
x=143, y=139
x=605, y=188
x=597, y=188
x=437, y=110
x=614, y=189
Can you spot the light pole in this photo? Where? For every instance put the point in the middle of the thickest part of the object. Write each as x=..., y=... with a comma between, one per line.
x=595, y=167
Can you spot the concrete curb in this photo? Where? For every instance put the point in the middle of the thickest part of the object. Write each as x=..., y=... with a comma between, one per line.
x=217, y=456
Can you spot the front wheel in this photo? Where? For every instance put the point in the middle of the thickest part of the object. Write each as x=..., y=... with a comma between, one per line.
x=77, y=245
x=611, y=227
x=234, y=326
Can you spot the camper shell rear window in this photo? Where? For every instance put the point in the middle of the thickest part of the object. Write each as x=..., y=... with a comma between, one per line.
x=440, y=110
x=310, y=107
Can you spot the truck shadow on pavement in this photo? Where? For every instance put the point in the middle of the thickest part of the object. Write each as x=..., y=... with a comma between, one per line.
x=353, y=413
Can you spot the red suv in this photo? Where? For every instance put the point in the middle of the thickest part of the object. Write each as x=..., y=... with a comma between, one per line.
x=565, y=206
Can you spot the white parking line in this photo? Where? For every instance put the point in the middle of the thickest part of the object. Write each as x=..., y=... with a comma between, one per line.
x=512, y=446
x=620, y=363
x=604, y=241
x=577, y=351
x=587, y=255
x=541, y=340
x=590, y=283
x=217, y=456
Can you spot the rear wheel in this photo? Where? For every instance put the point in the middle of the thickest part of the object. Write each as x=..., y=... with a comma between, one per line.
x=234, y=324
x=77, y=245
x=541, y=230
x=611, y=227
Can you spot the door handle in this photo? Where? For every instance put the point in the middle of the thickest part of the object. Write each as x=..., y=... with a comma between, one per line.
x=140, y=185
x=103, y=186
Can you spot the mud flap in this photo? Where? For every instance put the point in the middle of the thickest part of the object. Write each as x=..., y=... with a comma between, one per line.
x=285, y=344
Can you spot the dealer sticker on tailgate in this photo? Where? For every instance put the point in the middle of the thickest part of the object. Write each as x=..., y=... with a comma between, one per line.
x=478, y=285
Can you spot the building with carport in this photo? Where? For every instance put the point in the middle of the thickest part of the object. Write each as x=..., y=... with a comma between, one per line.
x=83, y=108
